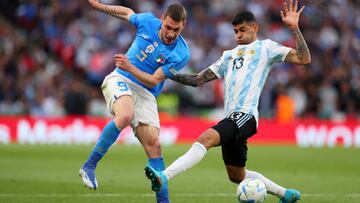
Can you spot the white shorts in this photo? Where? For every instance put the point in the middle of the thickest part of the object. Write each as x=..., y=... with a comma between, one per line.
x=116, y=85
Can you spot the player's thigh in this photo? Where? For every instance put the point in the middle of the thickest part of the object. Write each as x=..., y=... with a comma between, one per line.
x=146, y=122
x=145, y=107
x=114, y=89
x=227, y=130
x=234, y=150
x=123, y=109
x=235, y=154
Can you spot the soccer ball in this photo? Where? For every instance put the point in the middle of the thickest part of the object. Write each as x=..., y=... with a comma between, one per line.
x=251, y=190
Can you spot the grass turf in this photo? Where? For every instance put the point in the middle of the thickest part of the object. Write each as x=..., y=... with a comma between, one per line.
x=42, y=173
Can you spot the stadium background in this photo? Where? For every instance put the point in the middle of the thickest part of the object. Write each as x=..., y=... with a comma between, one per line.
x=54, y=55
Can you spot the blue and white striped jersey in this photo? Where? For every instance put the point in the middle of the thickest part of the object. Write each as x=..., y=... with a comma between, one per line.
x=245, y=69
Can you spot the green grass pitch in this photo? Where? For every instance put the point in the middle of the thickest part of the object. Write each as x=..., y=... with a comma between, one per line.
x=43, y=173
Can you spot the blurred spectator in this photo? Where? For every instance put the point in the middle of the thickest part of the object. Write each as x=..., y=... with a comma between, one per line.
x=328, y=99
x=297, y=93
x=45, y=45
x=285, y=106
x=75, y=99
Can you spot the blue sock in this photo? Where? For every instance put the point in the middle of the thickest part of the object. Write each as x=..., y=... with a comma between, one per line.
x=158, y=164
x=108, y=136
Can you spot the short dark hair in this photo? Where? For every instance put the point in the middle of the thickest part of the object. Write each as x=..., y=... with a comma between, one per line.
x=177, y=12
x=243, y=16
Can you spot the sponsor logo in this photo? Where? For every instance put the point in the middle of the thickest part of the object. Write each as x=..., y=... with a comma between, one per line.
x=76, y=132
x=322, y=136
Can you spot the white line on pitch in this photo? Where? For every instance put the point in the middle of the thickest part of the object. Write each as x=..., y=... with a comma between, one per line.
x=331, y=195
x=152, y=194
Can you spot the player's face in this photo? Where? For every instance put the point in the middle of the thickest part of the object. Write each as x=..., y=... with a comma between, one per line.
x=245, y=33
x=170, y=29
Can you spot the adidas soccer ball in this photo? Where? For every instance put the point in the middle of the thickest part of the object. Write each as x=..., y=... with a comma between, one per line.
x=251, y=190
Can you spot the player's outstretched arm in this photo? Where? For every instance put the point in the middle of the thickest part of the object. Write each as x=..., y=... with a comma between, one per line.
x=122, y=62
x=114, y=10
x=290, y=16
x=196, y=79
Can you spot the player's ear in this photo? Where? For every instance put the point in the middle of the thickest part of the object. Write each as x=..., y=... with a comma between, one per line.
x=184, y=23
x=256, y=27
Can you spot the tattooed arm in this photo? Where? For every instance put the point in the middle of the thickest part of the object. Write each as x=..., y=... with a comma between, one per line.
x=302, y=54
x=290, y=16
x=196, y=79
x=117, y=11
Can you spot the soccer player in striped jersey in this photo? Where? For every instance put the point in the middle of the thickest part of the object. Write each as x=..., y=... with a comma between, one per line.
x=157, y=53
x=244, y=70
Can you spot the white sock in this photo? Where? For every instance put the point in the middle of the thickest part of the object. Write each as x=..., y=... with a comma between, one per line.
x=186, y=161
x=271, y=187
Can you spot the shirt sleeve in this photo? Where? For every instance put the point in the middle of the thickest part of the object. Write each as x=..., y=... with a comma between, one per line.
x=276, y=51
x=171, y=69
x=138, y=19
x=218, y=68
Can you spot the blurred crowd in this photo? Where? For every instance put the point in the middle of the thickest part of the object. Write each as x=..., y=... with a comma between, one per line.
x=54, y=55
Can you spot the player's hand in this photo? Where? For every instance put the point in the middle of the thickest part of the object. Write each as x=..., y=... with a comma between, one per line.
x=122, y=62
x=290, y=15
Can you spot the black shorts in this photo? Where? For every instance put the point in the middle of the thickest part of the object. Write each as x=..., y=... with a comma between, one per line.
x=234, y=132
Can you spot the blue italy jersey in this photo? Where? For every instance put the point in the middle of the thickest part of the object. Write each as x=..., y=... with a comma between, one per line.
x=148, y=52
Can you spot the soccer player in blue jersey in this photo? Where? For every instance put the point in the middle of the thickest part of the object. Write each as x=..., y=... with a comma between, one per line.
x=244, y=70
x=158, y=52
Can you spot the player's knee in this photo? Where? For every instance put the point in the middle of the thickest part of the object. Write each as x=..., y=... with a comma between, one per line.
x=236, y=178
x=205, y=140
x=236, y=174
x=153, y=142
x=123, y=120
x=127, y=118
x=208, y=139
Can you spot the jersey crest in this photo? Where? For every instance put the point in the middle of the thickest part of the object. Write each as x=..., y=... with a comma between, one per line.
x=161, y=59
